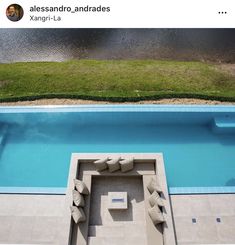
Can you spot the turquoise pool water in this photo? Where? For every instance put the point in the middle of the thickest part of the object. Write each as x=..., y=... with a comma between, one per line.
x=36, y=143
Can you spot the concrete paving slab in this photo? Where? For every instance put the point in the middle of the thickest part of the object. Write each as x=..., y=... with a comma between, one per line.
x=205, y=209
x=30, y=219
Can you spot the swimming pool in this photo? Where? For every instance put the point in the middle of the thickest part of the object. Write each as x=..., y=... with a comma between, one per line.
x=197, y=142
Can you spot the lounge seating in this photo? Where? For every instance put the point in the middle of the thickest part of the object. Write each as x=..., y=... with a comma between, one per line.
x=154, y=185
x=78, y=199
x=127, y=164
x=101, y=164
x=81, y=187
x=156, y=215
x=77, y=214
x=155, y=199
x=113, y=164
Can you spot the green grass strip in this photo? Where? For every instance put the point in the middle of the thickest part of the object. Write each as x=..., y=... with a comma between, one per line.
x=115, y=80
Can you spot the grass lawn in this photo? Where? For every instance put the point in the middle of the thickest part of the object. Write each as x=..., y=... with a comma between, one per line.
x=115, y=80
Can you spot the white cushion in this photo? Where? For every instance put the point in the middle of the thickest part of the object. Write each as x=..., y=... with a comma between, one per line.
x=113, y=164
x=77, y=214
x=81, y=187
x=127, y=164
x=154, y=185
x=101, y=164
x=78, y=199
x=156, y=215
x=155, y=199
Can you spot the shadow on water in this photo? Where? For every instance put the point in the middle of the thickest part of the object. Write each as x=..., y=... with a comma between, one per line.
x=63, y=44
x=230, y=182
x=4, y=133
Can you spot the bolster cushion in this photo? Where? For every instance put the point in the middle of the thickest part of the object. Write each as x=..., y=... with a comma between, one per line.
x=155, y=199
x=101, y=164
x=154, y=185
x=156, y=215
x=78, y=199
x=113, y=164
x=81, y=187
x=127, y=164
x=77, y=214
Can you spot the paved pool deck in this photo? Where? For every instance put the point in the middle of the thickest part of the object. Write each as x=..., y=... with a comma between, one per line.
x=31, y=219
x=205, y=209
x=38, y=218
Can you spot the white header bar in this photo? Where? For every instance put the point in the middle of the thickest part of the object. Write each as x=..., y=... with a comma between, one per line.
x=121, y=14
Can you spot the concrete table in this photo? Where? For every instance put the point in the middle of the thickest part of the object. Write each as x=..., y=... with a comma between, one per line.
x=117, y=200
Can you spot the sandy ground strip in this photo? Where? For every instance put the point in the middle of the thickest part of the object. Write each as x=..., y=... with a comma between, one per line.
x=83, y=102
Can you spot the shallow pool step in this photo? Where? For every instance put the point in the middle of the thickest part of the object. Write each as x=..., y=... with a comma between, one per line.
x=3, y=136
x=1, y=139
x=3, y=129
x=224, y=125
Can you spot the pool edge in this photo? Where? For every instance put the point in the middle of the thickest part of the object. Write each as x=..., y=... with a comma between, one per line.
x=33, y=190
x=202, y=190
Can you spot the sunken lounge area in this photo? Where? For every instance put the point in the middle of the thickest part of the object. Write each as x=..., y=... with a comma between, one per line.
x=118, y=199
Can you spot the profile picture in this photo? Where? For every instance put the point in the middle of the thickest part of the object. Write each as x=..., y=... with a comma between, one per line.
x=14, y=12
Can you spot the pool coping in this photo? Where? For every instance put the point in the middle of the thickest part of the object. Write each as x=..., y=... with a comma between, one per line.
x=118, y=108
x=34, y=190
x=202, y=190
x=172, y=190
